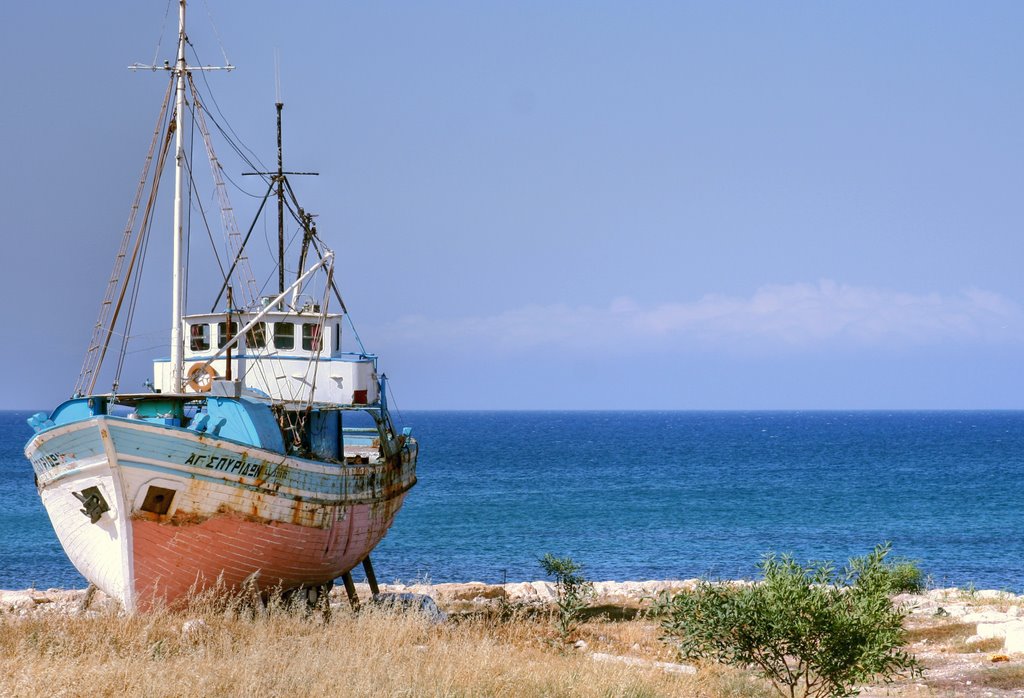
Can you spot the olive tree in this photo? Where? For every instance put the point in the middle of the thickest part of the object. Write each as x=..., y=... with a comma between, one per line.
x=572, y=589
x=811, y=630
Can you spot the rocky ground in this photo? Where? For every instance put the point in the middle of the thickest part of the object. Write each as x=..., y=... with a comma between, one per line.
x=971, y=642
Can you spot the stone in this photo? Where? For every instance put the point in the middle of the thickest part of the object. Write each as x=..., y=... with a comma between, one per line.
x=17, y=600
x=407, y=601
x=637, y=661
x=1014, y=641
x=991, y=595
x=985, y=617
x=1003, y=630
x=195, y=629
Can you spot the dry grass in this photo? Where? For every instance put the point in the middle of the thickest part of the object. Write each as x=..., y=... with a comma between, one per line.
x=952, y=638
x=279, y=652
x=484, y=649
x=942, y=632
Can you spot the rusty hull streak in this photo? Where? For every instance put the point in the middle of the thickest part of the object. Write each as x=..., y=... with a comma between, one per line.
x=381, y=484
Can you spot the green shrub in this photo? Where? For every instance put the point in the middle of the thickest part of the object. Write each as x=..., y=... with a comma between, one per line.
x=905, y=576
x=810, y=630
x=572, y=588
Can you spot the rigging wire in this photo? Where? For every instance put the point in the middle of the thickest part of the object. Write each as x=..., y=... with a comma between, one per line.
x=341, y=301
x=151, y=347
x=208, y=97
x=273, y=252
x=234, y=243
x=394, y=403
x=206, y=222
x=133, y=296
x=160, y=39
x=295, y=391
x=216, y=33
x=199, y=203
x=133, y=301
x=100, y=340
x=140, y=244
x=238, y=256
x=217, y=106
x=320, y=330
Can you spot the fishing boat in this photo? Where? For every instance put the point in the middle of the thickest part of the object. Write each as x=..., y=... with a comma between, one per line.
x=262, y=451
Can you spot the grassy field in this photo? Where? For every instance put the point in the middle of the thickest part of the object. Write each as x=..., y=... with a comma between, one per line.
x=218, y=649
x=487, y=647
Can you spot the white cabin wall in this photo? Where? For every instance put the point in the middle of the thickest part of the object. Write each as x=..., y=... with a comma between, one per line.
x=334, y=381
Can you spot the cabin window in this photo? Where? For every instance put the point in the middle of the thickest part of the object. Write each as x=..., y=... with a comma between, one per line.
x=256, y=337
x=284, y=335
x=222, y=333
x=200, y=337
x=311, y=336
x=337, y=337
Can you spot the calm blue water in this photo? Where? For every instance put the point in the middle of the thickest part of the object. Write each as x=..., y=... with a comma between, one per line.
x=647, y=495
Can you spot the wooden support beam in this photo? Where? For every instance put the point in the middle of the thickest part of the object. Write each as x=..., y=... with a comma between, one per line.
x=350, y=589
x=371, y=578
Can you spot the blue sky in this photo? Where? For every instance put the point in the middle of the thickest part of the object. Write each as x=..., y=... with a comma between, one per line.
x=579, y=205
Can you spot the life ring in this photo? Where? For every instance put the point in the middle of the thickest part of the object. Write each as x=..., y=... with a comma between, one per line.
x=200, y=377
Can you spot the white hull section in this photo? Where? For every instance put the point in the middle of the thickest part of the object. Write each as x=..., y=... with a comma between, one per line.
x=100, y=552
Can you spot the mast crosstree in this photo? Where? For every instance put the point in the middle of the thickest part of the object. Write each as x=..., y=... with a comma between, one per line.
x=279, y=180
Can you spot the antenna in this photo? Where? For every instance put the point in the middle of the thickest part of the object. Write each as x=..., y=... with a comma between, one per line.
x=277, y=75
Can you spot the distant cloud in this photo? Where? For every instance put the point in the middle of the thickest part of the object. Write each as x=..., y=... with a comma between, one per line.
x=776, y=317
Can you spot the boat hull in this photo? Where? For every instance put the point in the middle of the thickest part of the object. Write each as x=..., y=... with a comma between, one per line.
x=149, y=513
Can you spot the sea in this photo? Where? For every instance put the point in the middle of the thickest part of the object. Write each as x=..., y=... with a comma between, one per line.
x=659, y=495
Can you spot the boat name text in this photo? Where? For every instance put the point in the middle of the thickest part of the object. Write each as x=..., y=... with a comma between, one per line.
x=239, y=466
x=47, y=461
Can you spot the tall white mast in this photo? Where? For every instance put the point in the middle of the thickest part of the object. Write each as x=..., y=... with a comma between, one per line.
x=179, y=158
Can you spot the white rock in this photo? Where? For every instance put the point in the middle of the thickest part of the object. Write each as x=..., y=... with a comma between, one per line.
x=195, y=629
x=994, y=630
x=580, y=644
x=988, y=631
x=637, y=661
x=985, y=617
x=991, y=594
x=1014, y=641
x=942, y=594
x=956, y=610
x=912, y=601
x=545, y=591
x=17, y=600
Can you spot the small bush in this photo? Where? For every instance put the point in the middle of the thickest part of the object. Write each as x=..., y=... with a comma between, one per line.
x=573, y=590
x=810, y=630
x=905, y=576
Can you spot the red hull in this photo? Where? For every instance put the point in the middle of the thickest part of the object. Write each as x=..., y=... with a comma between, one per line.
x=170, y=559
